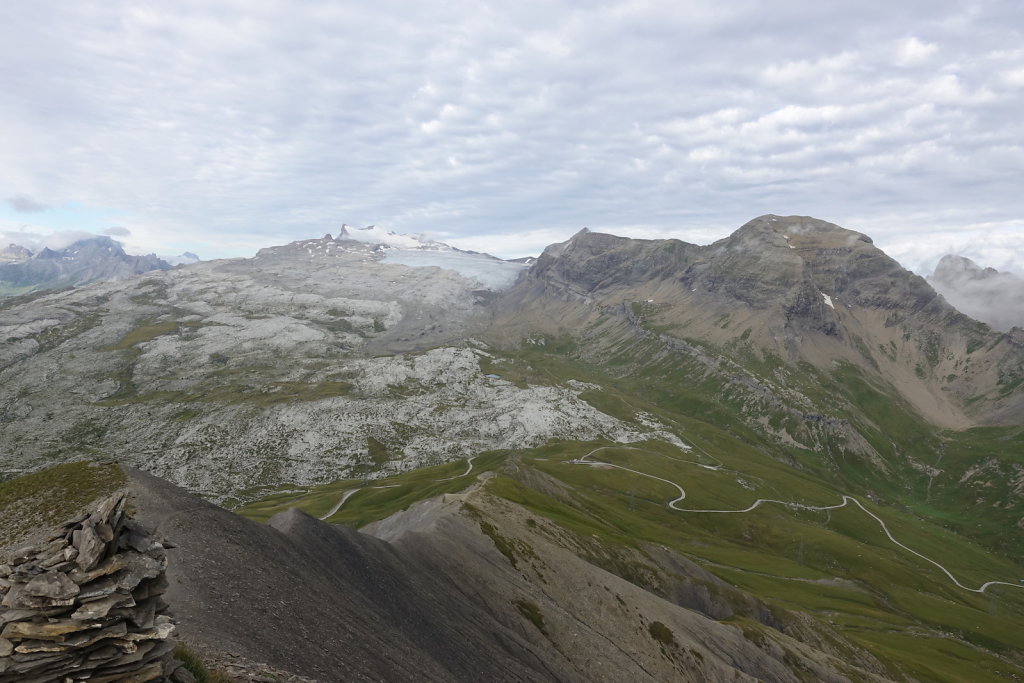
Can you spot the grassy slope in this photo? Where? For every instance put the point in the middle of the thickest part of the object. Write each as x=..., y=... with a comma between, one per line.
x=837, y=566
x=44, y=499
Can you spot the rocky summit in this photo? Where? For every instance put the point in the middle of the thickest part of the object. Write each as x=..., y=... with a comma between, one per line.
x=780, y=456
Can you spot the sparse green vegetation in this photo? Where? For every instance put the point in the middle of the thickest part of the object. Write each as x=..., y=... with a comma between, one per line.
x=193, y=663
x=532, y=612
x=148, y=331
x=836, y=563
x=661, y=633
x=54, y=336
x=505, y=546
x=43, y=499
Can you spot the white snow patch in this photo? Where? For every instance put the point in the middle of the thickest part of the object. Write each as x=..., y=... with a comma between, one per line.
x=375, y=235
x=828, y=300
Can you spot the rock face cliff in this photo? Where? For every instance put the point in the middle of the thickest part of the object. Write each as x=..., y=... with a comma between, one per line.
x=86, y=603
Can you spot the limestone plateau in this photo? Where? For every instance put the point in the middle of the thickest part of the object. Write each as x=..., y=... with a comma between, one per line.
x=780, y=456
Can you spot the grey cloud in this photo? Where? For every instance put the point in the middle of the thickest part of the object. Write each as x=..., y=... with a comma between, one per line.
x=985, y=294
x=25, y=204
x=117, y=231
x=36, y=241
x=523, y=117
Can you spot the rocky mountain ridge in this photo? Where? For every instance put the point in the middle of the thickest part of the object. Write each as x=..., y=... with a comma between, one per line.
x=84, y=261
x=464, y=587
x=321, y=350
x=794, y=287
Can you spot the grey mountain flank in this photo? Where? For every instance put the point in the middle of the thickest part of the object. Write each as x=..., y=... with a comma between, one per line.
x=801, y=288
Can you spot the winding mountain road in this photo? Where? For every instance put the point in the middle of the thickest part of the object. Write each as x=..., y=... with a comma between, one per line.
x=348, y=494
x=469, y=468
x=585, y=460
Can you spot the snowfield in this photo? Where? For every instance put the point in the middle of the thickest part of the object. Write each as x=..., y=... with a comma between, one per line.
x=490, y=272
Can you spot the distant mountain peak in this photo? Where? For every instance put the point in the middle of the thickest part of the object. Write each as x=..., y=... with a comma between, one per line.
x=86, y=260
x=985, y=294
x=805, y=226
x=954, y=266
x=14, y=253
x=183, y=259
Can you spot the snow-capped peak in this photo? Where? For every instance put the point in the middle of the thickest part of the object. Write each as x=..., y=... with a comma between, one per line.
x=375, y=235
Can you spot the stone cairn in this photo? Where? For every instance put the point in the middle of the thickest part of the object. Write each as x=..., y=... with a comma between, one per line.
x=86, y=605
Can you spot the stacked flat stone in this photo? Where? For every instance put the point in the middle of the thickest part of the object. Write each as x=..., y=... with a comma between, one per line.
x=86, y=605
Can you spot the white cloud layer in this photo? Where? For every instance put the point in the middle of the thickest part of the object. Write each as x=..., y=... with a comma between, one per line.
x=224, y=126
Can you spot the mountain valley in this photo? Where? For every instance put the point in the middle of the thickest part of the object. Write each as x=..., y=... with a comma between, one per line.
x=780, y=456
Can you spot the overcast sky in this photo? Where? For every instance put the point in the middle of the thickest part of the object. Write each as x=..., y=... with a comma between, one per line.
x=221, y=127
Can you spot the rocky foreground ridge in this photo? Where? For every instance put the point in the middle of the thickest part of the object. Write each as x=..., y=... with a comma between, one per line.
x=85, y=604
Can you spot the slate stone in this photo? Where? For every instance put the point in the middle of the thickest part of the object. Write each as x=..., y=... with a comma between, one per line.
x=139, y=541
x=31, y=646
x=6, y=647
x=144, y=615
x=138, y=567
x=90, y=547
x=141, y=675
x=105, y=512
x=100, y=608
x=17, y=598
x=119, y=630
x=112, y=565
x=53, y=585
x=52, y=630
x=97, y=589
x=182, y=675
x=105, y=532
